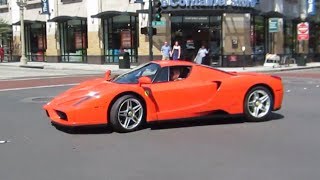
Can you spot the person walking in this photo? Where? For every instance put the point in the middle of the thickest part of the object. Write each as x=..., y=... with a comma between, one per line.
x=201, y=54
x=176, y=51
x=1, y=53
x=165, y=51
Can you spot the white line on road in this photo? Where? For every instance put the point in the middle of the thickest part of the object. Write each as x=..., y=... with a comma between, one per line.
x=48, y=77
x=37, y=87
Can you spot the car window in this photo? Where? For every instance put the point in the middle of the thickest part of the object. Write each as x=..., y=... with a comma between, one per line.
x=179, y=72
x=149, y=70
x=163, y=75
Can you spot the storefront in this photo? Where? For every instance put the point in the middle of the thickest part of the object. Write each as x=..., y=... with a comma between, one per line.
x=72, y=38
x=119, y=35
x=223, y=27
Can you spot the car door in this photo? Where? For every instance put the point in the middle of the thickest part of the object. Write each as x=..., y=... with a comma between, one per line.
x=182, y=98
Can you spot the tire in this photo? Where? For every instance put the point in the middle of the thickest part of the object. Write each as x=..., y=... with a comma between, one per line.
x=258, y=104
x=127, y=114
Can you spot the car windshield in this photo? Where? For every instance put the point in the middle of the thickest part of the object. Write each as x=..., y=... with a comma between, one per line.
x=131, y=77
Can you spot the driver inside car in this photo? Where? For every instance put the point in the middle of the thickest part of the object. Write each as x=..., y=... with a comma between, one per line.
x=175, y=74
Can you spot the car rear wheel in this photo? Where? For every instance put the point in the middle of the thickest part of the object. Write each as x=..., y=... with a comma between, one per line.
x=258, y=104
x=127, y=114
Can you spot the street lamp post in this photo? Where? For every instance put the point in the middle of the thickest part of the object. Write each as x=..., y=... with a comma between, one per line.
x=22, y=4
x=243, y=48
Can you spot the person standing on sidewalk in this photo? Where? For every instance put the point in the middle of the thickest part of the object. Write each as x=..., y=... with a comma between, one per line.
x=176, y=51
x=165, y=51
x=1, y=53
x=201, y=54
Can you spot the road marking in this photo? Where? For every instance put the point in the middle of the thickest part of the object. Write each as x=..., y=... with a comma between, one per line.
x=37, y=87
x=288, y=90
x=304, y=88
x=317, y=86
x=48, y=77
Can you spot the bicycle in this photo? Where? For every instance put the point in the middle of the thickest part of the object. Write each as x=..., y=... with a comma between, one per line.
x=287, y=60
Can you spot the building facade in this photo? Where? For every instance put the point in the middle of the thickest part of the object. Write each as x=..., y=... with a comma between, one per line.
x=236, y=32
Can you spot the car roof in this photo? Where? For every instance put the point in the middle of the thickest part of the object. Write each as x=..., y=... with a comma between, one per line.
x=164, y=63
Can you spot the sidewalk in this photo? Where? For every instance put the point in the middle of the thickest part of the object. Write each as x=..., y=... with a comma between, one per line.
x=97, y=69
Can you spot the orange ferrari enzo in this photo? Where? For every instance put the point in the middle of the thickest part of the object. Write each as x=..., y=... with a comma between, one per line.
x=166, y=90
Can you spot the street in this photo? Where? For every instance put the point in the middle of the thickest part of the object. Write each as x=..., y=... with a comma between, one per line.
x=284, y=148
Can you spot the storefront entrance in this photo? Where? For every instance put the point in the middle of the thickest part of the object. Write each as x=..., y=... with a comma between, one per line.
x=202, y=30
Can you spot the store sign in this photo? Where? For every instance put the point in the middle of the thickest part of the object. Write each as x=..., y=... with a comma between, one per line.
x=273, y=25
x=45, y=7
x=311, y=8
x=195, y=19
x=208, y=3
x=303, y=31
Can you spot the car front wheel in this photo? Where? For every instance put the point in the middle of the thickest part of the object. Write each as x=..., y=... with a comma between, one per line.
x=258, y=104
x=127, y=114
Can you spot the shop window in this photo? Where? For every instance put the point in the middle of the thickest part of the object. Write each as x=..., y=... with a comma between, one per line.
x=258, y=39
x=73, y=41
x=120, y=35
x=3, y=2
x=288, y=37
x=36, y=43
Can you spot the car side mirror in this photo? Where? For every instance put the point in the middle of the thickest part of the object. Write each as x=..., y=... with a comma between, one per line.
x=107, y=75
x=144, y=80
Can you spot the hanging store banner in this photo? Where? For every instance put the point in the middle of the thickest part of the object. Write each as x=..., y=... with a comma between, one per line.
x=311, y=7
x=303, y=31
x=45, y=7
x=125, y=39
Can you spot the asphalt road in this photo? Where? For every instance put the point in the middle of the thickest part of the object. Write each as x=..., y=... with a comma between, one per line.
x=285, y=148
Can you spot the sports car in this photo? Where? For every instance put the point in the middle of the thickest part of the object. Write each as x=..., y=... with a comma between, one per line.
x=166, y=90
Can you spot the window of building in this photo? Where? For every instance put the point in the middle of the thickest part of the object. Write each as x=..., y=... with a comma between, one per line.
x=120, y=35
x=36, y=41
x=3, y=2
x=258, y=38
x=73, y=40
x=288, y=37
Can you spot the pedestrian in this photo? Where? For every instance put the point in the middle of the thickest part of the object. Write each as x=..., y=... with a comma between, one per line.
x=189, y=52
x=201, y=54
x=176, y=51
x=1, y=53
x=165, y=51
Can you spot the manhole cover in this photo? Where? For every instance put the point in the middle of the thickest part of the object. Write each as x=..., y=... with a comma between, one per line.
x=38, y=99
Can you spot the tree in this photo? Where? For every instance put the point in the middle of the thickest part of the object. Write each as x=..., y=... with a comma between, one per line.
x=4, y=27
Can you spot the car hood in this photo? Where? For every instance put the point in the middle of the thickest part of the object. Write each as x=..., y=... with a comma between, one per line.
x=91, y=88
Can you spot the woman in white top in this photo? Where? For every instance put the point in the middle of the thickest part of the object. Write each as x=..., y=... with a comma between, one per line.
x=201, y=54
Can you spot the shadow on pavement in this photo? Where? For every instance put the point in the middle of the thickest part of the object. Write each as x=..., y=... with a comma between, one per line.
x=203, y=121
x=85, y=130
x=206, y=121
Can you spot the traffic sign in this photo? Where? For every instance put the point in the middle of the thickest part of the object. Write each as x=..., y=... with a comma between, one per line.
x=273, y=25
x=303, y=31
x=158, y=23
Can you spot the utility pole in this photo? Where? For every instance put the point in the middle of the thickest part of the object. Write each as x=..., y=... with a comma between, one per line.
x=22, y=4
x=150, y=30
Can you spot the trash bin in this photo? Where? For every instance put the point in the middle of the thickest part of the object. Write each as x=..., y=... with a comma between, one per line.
x=124, y=60
x=301, y=59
